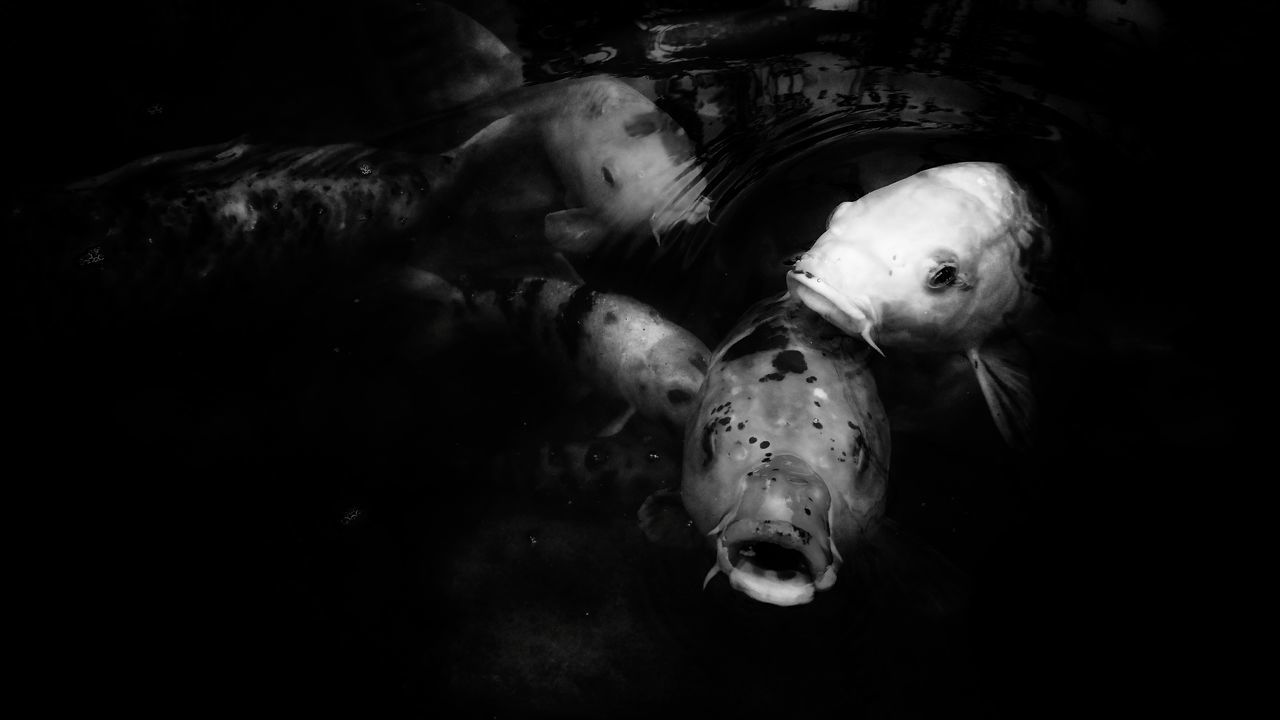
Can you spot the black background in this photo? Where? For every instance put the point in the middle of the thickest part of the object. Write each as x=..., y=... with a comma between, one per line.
x=174, y=559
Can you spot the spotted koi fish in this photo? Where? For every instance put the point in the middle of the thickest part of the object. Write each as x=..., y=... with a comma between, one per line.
x=171, y=224
x=617, y=345
x=787, y=453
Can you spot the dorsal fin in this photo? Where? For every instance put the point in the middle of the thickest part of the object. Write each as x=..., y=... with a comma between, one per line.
x=435, y=57
x=442, y=72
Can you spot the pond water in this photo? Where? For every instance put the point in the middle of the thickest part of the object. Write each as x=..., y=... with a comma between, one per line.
x=289, y=504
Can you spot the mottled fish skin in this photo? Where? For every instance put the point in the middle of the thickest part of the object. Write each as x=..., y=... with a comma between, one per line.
x=789, y=402
x=164, y=225
x=616, y=344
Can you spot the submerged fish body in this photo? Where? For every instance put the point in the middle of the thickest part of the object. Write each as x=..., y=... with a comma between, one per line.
x=624, y=159
x=787, y=454
x=239, y=208
x=615, y=344
x=170, y=224
x=942, y=261
x=625, y=167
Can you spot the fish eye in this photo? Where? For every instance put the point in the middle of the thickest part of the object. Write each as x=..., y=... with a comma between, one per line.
x=608, y=176
x=944, y=275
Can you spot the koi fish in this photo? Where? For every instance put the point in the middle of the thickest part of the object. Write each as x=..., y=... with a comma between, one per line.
x=787, y=453
x=946, y=260
x=625, y=168
x=618, y=346
x=170, y=224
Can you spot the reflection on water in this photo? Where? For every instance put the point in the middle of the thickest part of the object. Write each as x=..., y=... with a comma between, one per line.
x=306, y=509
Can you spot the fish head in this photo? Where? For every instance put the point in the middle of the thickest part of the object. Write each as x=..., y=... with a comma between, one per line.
x=627, y=161
x=781, y=487
x=937, y=260
x=775, y=546
x=786, y=532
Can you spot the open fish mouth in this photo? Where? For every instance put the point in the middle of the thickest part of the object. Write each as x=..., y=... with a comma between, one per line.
x=855, y=316
x=774, y=561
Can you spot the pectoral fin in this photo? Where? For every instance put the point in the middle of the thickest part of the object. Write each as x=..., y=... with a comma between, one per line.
x=489, y=138
x=664, y=521
x=1006, y=384
x=575, y=230
x=614, y=426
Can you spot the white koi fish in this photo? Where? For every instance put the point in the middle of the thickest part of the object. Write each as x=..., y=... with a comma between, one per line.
x=941, y=261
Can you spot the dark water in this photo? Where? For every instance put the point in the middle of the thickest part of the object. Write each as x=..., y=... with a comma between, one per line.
x=262, y=506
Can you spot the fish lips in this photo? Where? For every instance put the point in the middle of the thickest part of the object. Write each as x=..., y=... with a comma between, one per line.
x=776, y=561
x=855, y=316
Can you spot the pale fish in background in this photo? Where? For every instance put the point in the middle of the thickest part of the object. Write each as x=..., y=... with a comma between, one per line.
x=624, y=169
x=616, y=345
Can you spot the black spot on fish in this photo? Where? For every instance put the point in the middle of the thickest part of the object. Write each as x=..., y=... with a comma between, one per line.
x=764, y=445
x=852, y=426
x=751, y=440
x=765, y=337
x=724, y=421
x=790, y=361
x=815, y=402
x=610, y=318
x=817, y=424
x=741, y=425
x=807, y=511
x=678, y=397
x=772, y=377
x=811, y=379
